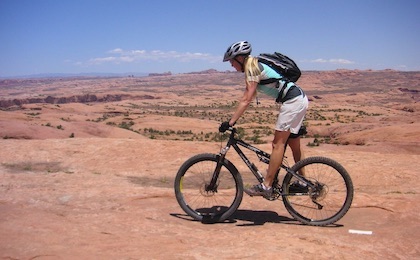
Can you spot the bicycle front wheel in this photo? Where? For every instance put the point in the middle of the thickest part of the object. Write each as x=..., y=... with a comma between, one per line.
x=328, y=201
x=204, y=203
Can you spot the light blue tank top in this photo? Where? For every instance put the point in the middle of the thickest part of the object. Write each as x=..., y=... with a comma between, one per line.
x=273, y=89
x=269, y=89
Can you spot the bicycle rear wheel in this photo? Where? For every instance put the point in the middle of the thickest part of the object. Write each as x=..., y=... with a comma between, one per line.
x=325, y=204
x=193, y=194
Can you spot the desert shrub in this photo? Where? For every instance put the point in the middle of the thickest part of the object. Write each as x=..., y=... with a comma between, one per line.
x=314, y=143
x=126, y=125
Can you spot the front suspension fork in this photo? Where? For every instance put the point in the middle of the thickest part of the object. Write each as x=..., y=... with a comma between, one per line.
x=212, y=186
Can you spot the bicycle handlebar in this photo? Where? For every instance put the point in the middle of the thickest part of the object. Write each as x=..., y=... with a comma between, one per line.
x=231, y=129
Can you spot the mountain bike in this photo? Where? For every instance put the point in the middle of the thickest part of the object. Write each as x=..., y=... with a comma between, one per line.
x=209, y=187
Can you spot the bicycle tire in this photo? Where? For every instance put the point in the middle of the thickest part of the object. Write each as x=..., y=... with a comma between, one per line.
x=334, y=197
x=208, y=206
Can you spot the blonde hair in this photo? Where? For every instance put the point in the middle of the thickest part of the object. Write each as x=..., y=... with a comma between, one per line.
x=251, y=69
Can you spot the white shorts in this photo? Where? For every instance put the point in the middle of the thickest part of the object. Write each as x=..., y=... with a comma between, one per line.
x=292, y=113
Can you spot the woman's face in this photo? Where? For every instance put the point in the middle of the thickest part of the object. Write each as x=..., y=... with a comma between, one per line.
x=235, y=63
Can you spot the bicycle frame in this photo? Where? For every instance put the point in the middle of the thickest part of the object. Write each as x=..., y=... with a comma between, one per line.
x=263, y=156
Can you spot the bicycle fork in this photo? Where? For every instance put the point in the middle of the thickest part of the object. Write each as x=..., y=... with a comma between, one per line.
x=212, y=186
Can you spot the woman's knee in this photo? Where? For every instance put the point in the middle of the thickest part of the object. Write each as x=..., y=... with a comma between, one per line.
x=280, y=139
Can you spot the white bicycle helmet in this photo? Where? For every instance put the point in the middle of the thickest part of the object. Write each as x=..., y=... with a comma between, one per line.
x=238, y=48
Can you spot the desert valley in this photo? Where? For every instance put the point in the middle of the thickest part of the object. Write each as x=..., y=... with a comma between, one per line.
x=87, y=166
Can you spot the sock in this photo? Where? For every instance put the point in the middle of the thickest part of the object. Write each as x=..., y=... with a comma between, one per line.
x=265, y=187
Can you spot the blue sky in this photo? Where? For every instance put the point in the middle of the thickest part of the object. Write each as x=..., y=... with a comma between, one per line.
x=85, y=36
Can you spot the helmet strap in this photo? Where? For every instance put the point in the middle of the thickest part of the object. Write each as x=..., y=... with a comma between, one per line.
x=240, y=63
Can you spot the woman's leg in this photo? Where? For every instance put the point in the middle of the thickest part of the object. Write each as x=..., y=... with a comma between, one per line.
x=276, y=158
x=294, y=144
x=298, y=154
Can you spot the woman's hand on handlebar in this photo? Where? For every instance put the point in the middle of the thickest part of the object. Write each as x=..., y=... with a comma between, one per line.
x=224, y=126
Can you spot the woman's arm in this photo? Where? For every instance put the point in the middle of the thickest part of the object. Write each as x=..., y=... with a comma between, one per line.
x=246, y=99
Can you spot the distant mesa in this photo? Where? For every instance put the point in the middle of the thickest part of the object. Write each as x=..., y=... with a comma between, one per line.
x=88, y=98
x=160, y=74
x=406, y=90
x=209, y=71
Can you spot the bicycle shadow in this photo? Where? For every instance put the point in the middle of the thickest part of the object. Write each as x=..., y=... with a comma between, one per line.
x=244, y=218
x=259, y=217
x=250, y=217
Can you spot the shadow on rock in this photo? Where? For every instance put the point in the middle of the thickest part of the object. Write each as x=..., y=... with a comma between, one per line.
x=241, y=217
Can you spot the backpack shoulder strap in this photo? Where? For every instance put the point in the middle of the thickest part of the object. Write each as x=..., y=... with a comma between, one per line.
x=270, y=80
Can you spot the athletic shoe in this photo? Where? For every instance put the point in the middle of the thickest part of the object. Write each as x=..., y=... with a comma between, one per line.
x=259, y=190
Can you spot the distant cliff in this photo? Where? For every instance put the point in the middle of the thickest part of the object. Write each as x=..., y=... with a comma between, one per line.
x=88, y=98
x=160, y=74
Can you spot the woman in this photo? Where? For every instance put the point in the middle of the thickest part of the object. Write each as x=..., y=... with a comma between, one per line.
x=292, y=112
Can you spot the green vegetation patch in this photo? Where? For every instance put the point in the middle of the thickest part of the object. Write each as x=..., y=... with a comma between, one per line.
x=29, y=166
